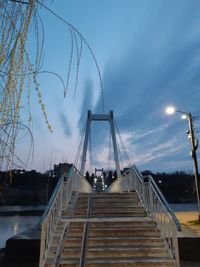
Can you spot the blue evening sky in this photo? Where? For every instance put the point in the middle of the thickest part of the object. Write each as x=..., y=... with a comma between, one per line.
x=149, y=57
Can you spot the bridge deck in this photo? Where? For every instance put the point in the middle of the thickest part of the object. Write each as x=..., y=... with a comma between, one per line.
x=107, y=229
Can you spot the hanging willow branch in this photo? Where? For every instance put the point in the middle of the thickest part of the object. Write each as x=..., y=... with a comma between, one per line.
x=17, y=73
x=20, y=64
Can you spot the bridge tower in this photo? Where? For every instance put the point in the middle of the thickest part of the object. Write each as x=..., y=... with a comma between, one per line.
x=100, y=117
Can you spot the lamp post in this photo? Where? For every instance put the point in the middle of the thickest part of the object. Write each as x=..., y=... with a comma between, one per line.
x=194, y=146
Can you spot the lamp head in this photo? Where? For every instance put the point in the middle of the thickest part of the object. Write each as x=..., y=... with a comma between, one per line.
x=170, y=110
x=183, y=116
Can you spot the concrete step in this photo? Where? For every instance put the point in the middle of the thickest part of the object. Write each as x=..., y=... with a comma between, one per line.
x=115, y=200
x=82, y=204
x=115, y=205
x=83, y=200
x=67, y=265
x=71, y=253
x=79, y=215
x=129, y=262
x=117, y=211
x=119, y=224
x=128, y=246
x=125, y=241
x=139, y=232
x=114, y=214
x=83, y=195
x=124, y=228
x=109, y=201
x=74, y=234
x=76, y=225
x=73, y=242
x=104, y=194
x=69, y=262
x=121, y=252
x=82, y=213
x=116, y=208
x=74, y=230
x=114, y=197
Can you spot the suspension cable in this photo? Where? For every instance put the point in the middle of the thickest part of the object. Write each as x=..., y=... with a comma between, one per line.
x=120, y=157
x=90, y=149
x=126, y=156
x=78, y=154
x=109, y=151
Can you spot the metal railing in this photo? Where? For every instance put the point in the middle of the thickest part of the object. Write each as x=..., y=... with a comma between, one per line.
x=154, y=203
x=59, y=201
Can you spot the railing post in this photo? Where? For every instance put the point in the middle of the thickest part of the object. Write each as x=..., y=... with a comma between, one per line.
x=145, y=191
x=151, y=198
x=176, y=248
x=42, y=246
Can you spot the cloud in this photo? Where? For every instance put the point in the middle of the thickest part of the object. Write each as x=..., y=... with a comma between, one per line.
x=145, y=150
x=87, y=104
x=65, y=124
x=158, y=67
x=161, y=67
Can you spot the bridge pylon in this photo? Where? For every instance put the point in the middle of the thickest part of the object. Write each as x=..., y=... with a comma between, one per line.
x=100, y=117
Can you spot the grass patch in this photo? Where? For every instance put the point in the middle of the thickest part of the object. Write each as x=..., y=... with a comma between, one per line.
x=194, y=223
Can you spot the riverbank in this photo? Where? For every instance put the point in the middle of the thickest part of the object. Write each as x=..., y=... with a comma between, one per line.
x=188, y=220
x=13, y=225
x=190, y=233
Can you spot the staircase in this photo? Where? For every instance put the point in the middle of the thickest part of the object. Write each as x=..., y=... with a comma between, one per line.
x=107, y=230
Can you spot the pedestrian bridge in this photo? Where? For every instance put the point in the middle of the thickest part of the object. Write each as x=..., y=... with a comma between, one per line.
x=129, y=224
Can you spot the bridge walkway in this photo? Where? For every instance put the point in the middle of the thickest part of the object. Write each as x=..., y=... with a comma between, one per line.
x=107, y=230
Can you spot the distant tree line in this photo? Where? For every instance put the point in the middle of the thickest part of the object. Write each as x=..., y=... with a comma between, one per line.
x=20, y=187
x=176, y=187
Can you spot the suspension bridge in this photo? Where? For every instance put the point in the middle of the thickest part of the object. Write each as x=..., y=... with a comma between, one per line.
x=128, y=224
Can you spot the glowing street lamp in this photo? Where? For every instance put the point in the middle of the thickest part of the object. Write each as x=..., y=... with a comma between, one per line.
x=183, y=116
x=170, y=110
x=194, y=146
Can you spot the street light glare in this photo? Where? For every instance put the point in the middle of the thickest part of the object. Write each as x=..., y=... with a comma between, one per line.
x=184, y=117
x=170, y=110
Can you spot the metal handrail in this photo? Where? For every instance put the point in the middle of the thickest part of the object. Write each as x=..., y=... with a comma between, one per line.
x=155, y=204
x=59, y=201
x=85, y=235
x=50, y=202
x=166, y=205
x=165, y=222
x=160, y=195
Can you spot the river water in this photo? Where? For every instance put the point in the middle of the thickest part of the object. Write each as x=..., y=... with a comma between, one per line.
x=12, y=225
x=184, y=207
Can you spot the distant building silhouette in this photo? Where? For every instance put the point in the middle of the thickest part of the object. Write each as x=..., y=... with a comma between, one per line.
x=62, y=169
